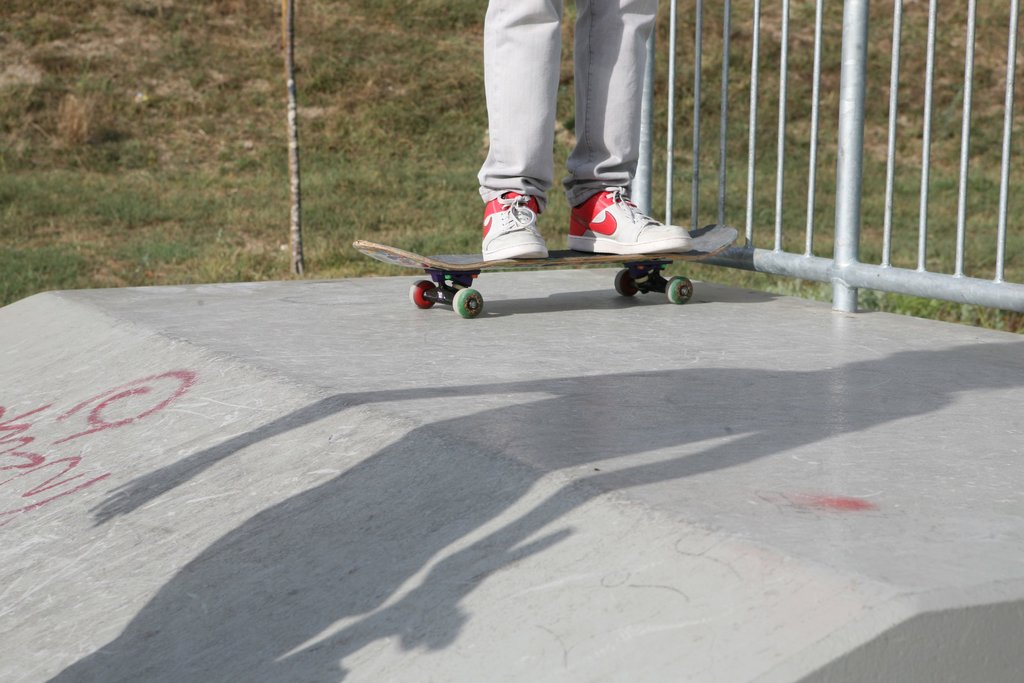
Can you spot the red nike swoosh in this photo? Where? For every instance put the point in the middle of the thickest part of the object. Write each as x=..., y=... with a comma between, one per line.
x=606, y=225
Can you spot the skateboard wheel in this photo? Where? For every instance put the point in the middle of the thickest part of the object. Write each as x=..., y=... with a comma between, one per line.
x=679, y=290
x=468, y=303
x=625, y=284
x=417, y=292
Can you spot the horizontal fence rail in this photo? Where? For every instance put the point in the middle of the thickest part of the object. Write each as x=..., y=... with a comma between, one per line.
x=870, y=162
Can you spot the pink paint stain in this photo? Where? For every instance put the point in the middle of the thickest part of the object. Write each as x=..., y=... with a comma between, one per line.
x=836, y=503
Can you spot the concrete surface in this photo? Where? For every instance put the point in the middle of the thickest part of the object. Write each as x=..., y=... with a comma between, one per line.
x=317, y=481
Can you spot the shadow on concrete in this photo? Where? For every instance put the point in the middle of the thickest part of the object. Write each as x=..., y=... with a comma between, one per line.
x=601, y=299
x=260, y=603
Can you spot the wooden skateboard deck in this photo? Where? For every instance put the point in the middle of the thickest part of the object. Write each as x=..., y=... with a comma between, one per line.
x=453, y=274
x=707, y=242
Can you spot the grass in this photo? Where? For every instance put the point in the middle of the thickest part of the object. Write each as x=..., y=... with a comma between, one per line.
x=142, y=141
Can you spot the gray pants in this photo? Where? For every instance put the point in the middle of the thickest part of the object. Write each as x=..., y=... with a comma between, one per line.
x=522, y=59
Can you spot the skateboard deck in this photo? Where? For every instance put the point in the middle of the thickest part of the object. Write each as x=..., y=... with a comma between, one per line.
x=452, y=274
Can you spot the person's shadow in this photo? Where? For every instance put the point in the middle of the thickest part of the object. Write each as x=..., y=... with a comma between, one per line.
x=259, y=603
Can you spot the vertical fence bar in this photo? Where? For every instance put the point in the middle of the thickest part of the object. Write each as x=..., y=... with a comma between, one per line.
x=1004, y=173
x=965, y=138
x=723, y=120
x=890, y=162
x=850, y=167
x=670, y=133
x=926, y=144
x=698, y=42
x=640, y=192
x=780, y=162
x=812, y=175
x=752, y=127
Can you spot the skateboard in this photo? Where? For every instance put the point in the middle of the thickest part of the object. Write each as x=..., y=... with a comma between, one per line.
x=452, y=275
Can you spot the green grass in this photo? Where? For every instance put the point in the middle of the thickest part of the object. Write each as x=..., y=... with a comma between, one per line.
x=29, y=270
x=143, y=142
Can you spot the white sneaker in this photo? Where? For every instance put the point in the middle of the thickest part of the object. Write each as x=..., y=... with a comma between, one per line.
x=510, y=228
x=609, y=223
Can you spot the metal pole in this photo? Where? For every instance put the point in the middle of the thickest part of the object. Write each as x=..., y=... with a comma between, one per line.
x=752, y=126
x=641, y=190
x=926, y=143
x=890, y=162
x=670, y=128
x=812, y=173
x=780, y=156
x=850, y=165
x=698, y=43
x=723, y=119
x=965, y=138
x=1004, y=172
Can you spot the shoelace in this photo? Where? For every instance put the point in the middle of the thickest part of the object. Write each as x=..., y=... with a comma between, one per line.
x=523, y=215
x=620, y=198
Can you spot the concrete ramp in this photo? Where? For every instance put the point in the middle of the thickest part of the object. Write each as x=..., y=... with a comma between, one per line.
x=319, y=482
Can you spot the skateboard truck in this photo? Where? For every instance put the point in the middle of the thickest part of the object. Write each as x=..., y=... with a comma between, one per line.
x=449, y=289
x=645, y=276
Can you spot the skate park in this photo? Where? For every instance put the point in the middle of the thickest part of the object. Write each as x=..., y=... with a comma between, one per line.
x=312, y=479
x=762, y=489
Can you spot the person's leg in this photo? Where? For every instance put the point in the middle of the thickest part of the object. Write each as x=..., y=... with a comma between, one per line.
x=611, y=57
x=611, y=60
x=522, y=59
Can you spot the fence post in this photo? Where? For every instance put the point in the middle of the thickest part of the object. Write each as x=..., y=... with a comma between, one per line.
x=850, y=164
x=641, y=189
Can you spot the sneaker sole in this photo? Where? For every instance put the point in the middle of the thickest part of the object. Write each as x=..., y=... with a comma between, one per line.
x=603, y=245
x=516, y=251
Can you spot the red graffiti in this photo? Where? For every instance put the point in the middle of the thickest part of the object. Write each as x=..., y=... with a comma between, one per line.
x=50, y=484
x=44, y=476
x=184, y=378
x=9, y=431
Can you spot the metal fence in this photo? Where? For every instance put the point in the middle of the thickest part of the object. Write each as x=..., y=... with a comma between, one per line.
x=863, y=156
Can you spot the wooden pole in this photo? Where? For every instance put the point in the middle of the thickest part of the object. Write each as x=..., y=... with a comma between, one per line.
x=288, y=34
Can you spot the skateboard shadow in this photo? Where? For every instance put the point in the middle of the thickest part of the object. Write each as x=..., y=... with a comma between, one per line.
x=606, y=299
x=306, y=584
